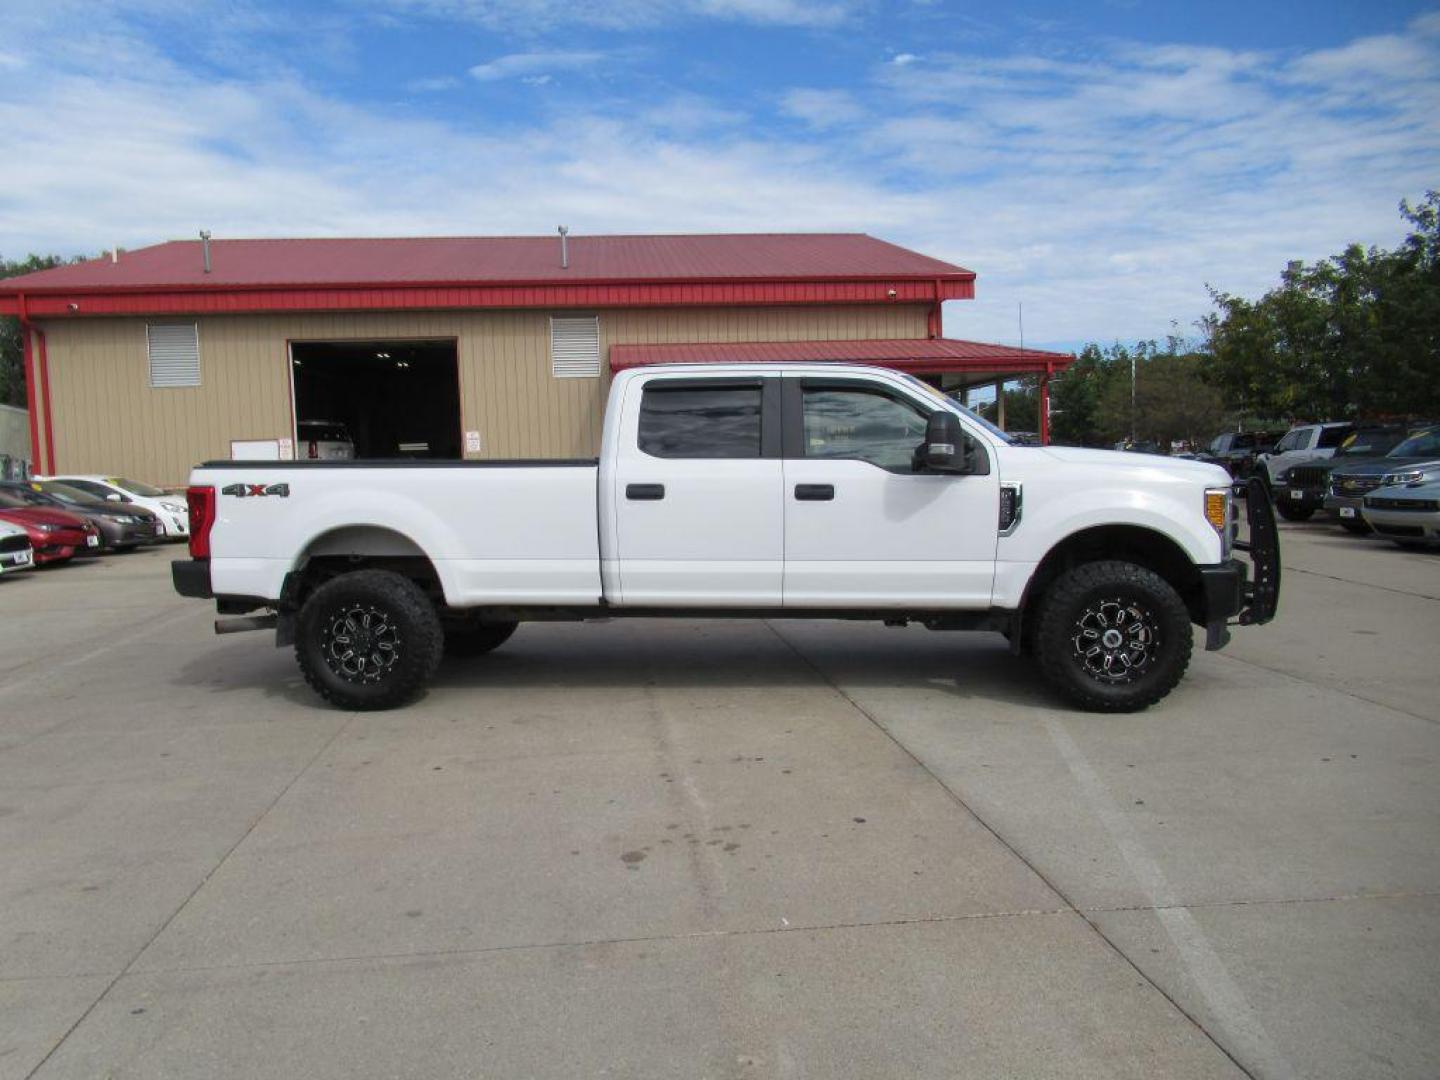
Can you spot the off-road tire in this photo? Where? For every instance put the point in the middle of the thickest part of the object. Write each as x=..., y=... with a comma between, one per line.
x=407, y=622
x=1294, y=513
x=1357, y=525
x=1161, y=636
x=477, y=639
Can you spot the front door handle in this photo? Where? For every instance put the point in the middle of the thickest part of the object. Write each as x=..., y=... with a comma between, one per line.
x=814, y=492
x=645, y=492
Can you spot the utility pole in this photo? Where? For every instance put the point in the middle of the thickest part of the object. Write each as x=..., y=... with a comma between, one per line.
x=1132, y=399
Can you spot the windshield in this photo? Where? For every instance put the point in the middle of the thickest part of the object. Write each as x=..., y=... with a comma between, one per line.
x=950, y=401
x=1425, y=444
x=136, y=488
x=66, y=494
x=1363, y=443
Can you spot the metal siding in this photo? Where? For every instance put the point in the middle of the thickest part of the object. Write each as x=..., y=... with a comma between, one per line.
x=109, y=419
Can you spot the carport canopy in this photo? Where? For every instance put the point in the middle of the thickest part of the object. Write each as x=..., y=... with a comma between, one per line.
x=960, y=365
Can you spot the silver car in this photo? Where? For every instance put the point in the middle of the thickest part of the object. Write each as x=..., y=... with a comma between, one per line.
x=1408, y=514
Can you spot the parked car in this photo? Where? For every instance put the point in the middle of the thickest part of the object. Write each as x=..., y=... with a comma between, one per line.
x=1236, y=451
x=1300, y=490
x=1352, y=480
x=169, y=509
x=123, y=526
x=16, y=552
x=1408, y=514
x=324, y=440
x=1302, y=444
x=774, y=490
x=55, y=535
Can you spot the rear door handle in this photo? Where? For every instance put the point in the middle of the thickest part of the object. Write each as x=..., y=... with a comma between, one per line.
x=814, y=492
x=645, y=492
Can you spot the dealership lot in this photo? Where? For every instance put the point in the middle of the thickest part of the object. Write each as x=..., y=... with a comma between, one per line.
x=720, y=849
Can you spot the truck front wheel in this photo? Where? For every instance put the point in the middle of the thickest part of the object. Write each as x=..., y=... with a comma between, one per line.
x=368, y=640
x=1112, y=636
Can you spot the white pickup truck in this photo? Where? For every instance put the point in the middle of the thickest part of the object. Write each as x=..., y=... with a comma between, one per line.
x=756, y=490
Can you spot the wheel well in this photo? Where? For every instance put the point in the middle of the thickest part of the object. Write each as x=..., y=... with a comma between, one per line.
x=1126, y=543
x=359, y=547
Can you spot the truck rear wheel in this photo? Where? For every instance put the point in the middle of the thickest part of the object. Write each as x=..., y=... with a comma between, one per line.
x=476, y=639
x=369, y=639
x=1113, y=636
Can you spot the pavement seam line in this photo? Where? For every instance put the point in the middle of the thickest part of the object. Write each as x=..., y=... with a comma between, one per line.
x=541, y=946
x=193, y=893
x=1218, y=905
x=1364, y=585
x=1008, y=846
x=1200, y=962
x=1326, y=687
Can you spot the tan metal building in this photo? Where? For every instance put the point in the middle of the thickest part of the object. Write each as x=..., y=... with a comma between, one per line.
x=479, y=348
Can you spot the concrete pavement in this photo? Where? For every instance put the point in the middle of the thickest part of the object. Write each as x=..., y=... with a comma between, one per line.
x=720, y=849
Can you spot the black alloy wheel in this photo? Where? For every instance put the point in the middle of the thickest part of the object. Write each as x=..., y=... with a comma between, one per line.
x=1112, y=636
x=369, y=639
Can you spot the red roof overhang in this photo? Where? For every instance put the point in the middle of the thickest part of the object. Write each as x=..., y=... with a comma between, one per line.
x=920, y=356
x=216, y=300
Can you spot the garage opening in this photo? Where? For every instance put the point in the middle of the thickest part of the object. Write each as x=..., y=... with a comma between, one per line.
x=390, y=399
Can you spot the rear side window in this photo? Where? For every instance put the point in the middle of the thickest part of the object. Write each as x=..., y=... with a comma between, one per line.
x=700, y=421
x=1333, y=437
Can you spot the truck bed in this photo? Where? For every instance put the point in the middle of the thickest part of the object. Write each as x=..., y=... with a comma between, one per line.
x=469, y=518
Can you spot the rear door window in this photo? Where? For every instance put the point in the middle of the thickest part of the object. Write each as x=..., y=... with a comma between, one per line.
x=1330, y=438
x=693, y=421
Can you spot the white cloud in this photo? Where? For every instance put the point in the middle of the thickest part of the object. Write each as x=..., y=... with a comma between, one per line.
x=903, y=59
x=822, y=108
x=539, y=15
x=517, y=65
x=1103, y=186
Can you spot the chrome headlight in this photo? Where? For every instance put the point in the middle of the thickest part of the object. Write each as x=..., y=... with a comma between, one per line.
x=1409, y=476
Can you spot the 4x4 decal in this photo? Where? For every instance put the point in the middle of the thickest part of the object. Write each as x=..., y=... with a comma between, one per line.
x=245, y=491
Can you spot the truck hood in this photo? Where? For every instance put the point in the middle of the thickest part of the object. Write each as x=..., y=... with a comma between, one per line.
x=1199, y=471
x=1378, y=466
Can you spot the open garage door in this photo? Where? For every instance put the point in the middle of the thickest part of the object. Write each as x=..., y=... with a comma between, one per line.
x=394, y=399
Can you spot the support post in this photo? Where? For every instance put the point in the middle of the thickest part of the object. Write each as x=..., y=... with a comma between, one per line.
x=1045, y=407
x=1000, y=404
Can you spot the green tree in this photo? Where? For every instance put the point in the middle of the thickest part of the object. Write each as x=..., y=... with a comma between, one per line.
x=12, y=357
x=1357, y=334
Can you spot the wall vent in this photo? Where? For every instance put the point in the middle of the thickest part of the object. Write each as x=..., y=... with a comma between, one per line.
x=174, y=350
x=575, y=347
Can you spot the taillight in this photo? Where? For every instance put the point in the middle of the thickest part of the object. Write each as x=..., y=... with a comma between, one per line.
x=201, y=501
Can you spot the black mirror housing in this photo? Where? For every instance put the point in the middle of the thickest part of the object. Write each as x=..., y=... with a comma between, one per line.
x=945, y=449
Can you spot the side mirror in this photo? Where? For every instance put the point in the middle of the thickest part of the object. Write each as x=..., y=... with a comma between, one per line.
x=945, y=449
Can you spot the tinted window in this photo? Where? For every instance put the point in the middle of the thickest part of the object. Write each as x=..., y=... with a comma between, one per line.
x=873, y=427
x=1361, y=443
x=700, y=421
x=1333, y=437
x=135, y=487
x=1294, y=440
x=1241, y=441
x=100, y=491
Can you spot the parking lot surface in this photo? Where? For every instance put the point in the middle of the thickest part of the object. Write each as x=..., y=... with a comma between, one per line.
x=720, y=849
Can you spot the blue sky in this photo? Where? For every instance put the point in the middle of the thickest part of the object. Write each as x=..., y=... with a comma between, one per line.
x=1098, y=162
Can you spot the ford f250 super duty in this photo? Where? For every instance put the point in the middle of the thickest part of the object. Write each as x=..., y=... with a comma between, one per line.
x=757, y=490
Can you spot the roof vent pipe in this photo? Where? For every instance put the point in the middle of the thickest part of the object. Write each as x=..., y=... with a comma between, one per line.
x=564, y=247
x=205, y=246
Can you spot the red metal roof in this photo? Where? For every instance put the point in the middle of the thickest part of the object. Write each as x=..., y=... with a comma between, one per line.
x=492, y=259
x=932, y=355
x=468, y=272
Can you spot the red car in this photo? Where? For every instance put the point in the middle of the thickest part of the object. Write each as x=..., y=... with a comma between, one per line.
x=54, y=534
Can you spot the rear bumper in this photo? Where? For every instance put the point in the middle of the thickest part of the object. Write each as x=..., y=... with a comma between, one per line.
x=191, y=578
